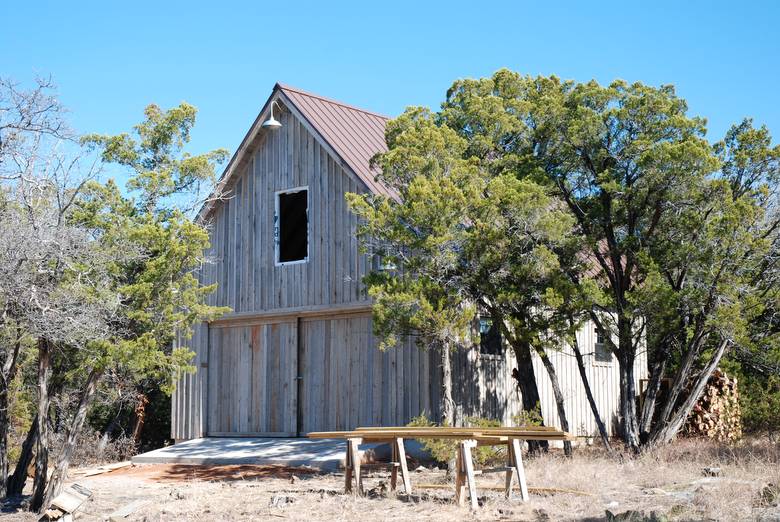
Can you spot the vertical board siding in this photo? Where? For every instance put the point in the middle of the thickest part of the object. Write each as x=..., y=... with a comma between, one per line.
x=252, y=383
x=484, y=387
x=248, y=279
x=190, y=396
x=346, y=378
x=242, y=254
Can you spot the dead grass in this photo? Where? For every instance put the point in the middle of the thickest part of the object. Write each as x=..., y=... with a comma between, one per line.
x=667, y=481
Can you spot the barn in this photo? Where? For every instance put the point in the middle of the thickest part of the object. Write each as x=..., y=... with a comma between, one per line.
x=297, y=352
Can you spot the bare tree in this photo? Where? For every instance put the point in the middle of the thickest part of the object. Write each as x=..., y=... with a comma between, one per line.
x=27, y=117
x=55, y=279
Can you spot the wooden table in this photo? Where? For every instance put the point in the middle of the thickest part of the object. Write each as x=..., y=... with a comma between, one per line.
x=468, y=439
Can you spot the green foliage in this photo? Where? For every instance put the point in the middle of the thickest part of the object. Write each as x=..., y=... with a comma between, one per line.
x=676, y=233
x=443, y=450
x=463, y=234
x=529, y=418
x=161, y=295
x=155, y=155
x=760, y=404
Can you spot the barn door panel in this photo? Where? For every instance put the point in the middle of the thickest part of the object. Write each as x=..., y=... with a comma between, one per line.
x=252, y=383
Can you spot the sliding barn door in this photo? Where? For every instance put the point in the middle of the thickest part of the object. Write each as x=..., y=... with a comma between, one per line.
x=348, y=382
x=252, y=380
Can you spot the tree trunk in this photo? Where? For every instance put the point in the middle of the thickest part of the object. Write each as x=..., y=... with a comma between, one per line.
x=42, y=446
x=526, y=382
x=589, y=394
x=140, y=417
x=19, y=478
x=54, y=487
x=628, y=412
x=7, y=374
x=106, y=437
x=666, y=432
x=651, y=397
x=4, y=426
x=447, y=406
x=447, y=403
x=559, y=400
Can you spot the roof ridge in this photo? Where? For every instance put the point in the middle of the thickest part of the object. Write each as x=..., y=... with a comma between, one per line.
x=329, y=100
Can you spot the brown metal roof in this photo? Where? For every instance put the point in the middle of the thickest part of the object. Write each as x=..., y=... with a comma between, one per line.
x=354, y=134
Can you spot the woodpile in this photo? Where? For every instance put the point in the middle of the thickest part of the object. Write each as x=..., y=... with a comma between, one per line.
x=717, y=414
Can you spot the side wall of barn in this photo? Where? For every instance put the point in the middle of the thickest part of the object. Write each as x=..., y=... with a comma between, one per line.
x=484, y=386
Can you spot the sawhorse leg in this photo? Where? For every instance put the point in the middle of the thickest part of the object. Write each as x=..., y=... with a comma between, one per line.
x=401, y=452
x=465, y=473
x=398, y=460
x=514, y=457
x=352, y=467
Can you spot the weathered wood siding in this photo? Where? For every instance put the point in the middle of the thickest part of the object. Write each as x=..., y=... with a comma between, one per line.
x=248, y=367
x=242, y=229
x=242, y=251
x=348, y=382
x=252, y=381
x=604, y=380
x=189, y=400
x=484, y=386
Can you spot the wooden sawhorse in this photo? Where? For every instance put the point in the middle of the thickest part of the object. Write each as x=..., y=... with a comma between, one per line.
x=397, y=461
x=465, y=472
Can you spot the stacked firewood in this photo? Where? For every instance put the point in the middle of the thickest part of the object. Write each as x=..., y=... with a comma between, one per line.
x=717, y=414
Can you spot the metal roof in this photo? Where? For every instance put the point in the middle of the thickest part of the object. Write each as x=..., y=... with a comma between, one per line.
x=354, y=134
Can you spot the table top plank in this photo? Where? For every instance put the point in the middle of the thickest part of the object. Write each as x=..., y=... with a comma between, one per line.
x=492, y=434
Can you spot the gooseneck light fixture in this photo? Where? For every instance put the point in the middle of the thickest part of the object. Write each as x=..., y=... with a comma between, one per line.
x=272, y=123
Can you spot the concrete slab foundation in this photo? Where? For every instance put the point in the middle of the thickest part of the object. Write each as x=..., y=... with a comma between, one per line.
x=325, y=454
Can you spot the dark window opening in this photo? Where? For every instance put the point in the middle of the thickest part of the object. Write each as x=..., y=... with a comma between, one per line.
x=603, y=353
x=489, y=337
x=293, y=226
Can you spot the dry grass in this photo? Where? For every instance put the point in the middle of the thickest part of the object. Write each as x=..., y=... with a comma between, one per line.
x=668, y=481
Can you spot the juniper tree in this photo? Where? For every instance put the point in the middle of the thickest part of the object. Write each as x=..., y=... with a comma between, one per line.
x=677, y=238
x=159, y=292
x=462, y=238
x=129, y=286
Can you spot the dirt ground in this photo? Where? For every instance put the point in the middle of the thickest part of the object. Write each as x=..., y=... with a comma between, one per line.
x=668, y=484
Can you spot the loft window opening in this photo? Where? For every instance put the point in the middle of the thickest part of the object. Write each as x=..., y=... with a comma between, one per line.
x=489, y=336
x=602, y=352
x=291, y=229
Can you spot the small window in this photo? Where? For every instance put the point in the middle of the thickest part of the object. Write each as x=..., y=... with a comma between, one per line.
x=291, y=229
x=602, y=351
x=489, y=337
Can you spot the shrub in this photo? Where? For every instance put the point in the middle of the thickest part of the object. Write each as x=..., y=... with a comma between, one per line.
x=760, y=404
x=90, y=452
x=443, y=450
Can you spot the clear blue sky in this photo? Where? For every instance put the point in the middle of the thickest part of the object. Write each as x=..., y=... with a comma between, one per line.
x=110, y=59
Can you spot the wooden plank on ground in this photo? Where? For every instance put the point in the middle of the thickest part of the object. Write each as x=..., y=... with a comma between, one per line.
x=127, y=509
x=71, y=498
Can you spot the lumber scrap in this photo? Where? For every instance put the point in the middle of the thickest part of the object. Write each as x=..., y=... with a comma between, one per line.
x=458, y=428
x=537, y=490
x=64, y=504
x=127, y=510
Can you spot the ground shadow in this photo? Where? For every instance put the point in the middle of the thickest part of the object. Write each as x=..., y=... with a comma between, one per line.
x=222, y=473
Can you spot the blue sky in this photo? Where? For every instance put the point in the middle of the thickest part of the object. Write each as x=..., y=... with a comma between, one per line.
x=110, y=59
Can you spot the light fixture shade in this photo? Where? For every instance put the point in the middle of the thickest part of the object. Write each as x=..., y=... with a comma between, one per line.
x=272, y=123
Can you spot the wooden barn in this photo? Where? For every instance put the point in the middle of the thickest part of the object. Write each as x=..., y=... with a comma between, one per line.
x=297, y=353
